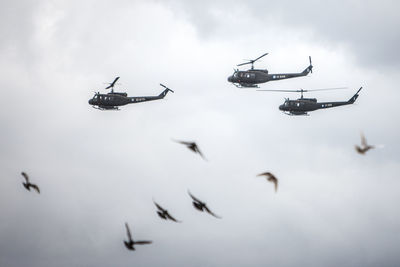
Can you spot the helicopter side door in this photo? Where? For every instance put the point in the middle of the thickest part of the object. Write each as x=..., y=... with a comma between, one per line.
x=106, y=100
x=250, y=76
x=246, y=76
x=297, y=105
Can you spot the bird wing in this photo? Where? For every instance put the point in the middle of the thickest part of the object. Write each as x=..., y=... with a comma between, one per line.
x=198, y=151
x=363, y=140
x=193, y=197
x=144, y=242
x=172, y=218
x=267, y=175
x=128, y=232
x=183, y=142
x=35, y=187
x=25, y=176
x=212, y=213
x=158, y=206
x=275, y=181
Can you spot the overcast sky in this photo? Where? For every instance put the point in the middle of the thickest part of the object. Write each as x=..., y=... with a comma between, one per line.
x=98, y=170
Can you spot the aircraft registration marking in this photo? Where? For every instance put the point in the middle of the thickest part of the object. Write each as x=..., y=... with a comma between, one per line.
x=326, y=105
x=138, y=99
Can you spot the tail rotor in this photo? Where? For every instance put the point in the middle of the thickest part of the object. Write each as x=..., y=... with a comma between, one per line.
x=166, y=88
x=165, y=92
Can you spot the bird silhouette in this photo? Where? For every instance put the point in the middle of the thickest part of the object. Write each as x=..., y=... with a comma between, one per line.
x=163, y=213
x=364, y=146
x=201, y=206
x=130, y=243
x=271, y=178
x=28, y=185
x=192, y=146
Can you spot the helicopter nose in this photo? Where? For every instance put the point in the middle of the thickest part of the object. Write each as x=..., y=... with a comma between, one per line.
x=90, y=101
x=281, y=107
x=230, y=78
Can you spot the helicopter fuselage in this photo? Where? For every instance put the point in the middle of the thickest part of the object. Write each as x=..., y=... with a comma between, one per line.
x=113, y=100
x=303, y=105
x=252, y=77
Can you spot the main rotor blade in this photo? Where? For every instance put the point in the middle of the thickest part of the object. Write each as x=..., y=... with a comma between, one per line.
x=113, y=83
x=292, y=91
x=115, y=80
x=324, y=89
x=302, y=90
x=260, y=57
x=251, y=61
x=241, y=64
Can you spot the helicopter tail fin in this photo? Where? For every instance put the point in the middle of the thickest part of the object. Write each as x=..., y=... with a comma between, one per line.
x=164, y=93
x=354, y=98
x=309, y=68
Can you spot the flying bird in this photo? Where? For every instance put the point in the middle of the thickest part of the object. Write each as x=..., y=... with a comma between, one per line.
x=164, y=214
x=28, y=185
x=192, y=146
x=130, y=244
x=271, y=178
x=364, y=146
x=201, y=206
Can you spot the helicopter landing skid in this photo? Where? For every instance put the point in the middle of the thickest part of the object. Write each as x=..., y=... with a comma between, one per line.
x=246, y=85
x=294, y=114
x=100, y=108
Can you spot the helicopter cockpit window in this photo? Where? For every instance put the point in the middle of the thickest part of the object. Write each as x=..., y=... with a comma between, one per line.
x=286, y=103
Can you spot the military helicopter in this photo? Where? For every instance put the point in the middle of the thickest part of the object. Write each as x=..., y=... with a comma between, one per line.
x=112, y=100
x=251, y=77
x=303, y=105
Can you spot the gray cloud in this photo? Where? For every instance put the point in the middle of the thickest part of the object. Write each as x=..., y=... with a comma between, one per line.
x=100, y=169
x=367, y=28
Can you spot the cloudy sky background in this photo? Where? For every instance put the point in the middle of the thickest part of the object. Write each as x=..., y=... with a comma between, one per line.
x=98, y=170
